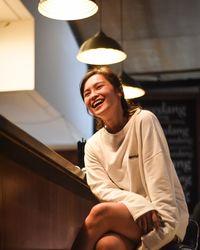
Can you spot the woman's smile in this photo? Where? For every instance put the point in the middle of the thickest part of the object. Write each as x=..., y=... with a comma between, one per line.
x=97, y=103
x=100, y=96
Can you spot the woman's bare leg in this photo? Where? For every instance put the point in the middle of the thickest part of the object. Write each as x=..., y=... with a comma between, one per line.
x=114, y=241
x=103, y=218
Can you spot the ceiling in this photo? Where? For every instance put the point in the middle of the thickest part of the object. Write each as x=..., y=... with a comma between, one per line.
x=32, y=113
x=161, y=38
x=12, y=10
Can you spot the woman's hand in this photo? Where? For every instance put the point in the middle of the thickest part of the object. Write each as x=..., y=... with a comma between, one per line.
x=149, y=221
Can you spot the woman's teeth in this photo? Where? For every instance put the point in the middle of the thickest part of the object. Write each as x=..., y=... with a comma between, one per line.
x=96, y=103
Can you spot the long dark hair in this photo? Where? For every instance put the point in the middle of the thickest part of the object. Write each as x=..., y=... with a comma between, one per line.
x=116, y=83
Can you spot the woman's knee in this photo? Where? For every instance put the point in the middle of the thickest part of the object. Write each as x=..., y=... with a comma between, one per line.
x=107, y=243
x=113, y=241
x=100, y=212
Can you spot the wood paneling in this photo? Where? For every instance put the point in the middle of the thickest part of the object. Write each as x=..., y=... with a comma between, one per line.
x=43, y=197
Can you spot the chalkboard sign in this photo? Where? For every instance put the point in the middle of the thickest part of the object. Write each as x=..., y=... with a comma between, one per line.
x=178, y=121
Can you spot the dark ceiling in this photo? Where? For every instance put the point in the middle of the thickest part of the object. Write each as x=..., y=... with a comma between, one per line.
x=161, y=38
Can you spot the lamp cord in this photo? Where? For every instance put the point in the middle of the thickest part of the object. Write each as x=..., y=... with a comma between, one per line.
x=121, y=31
x=100, y=15
x=121, y=22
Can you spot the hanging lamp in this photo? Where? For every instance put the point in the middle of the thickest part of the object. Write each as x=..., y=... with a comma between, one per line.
x=101, y=49
x=67, y=9
x=132, y=89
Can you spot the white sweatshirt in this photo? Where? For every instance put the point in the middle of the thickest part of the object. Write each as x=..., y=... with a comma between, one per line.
x=134, y=167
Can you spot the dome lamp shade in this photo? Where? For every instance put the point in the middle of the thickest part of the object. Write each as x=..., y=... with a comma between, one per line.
x=101, y=50
x=67, y=9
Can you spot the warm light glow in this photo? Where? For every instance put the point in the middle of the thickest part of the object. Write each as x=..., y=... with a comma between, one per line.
x=17, y=60
x=67, y=10
x=101, y=56
x=132, y=92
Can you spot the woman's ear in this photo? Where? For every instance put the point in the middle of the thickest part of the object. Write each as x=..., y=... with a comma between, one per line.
x=120, y=91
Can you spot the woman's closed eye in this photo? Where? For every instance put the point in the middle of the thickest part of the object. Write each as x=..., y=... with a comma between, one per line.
x=96, y=87
x=86, y=94
x=99, y=86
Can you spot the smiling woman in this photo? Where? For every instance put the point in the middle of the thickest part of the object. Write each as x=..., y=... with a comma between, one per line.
x=129, y=169
x=98, y=92
x=100, y=97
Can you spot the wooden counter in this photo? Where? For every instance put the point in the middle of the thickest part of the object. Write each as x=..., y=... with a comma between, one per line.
x=43, y=197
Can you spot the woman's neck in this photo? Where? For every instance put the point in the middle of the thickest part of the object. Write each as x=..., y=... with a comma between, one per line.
x=116, y=124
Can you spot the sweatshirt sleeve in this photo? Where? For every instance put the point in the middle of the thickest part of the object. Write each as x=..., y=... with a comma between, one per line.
x=159, y=175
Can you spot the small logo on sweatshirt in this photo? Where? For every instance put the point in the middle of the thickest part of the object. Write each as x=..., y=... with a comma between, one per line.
x=133, y=156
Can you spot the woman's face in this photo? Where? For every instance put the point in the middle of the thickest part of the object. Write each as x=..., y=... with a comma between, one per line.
x=100, y=97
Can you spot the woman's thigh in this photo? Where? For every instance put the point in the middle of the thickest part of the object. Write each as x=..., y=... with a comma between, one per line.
x=115, y=217
x=114, y=241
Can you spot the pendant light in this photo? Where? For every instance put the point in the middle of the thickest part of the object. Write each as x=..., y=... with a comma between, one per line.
x=101, y=49
x=132, y=89
x=67, y=9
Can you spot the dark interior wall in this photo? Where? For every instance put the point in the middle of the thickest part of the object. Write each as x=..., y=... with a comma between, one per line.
x=70, y=155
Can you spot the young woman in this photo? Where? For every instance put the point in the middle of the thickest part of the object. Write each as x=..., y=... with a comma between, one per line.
x=129, y=169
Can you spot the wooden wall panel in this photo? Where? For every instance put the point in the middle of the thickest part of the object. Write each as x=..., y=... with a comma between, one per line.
x=43, y=203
